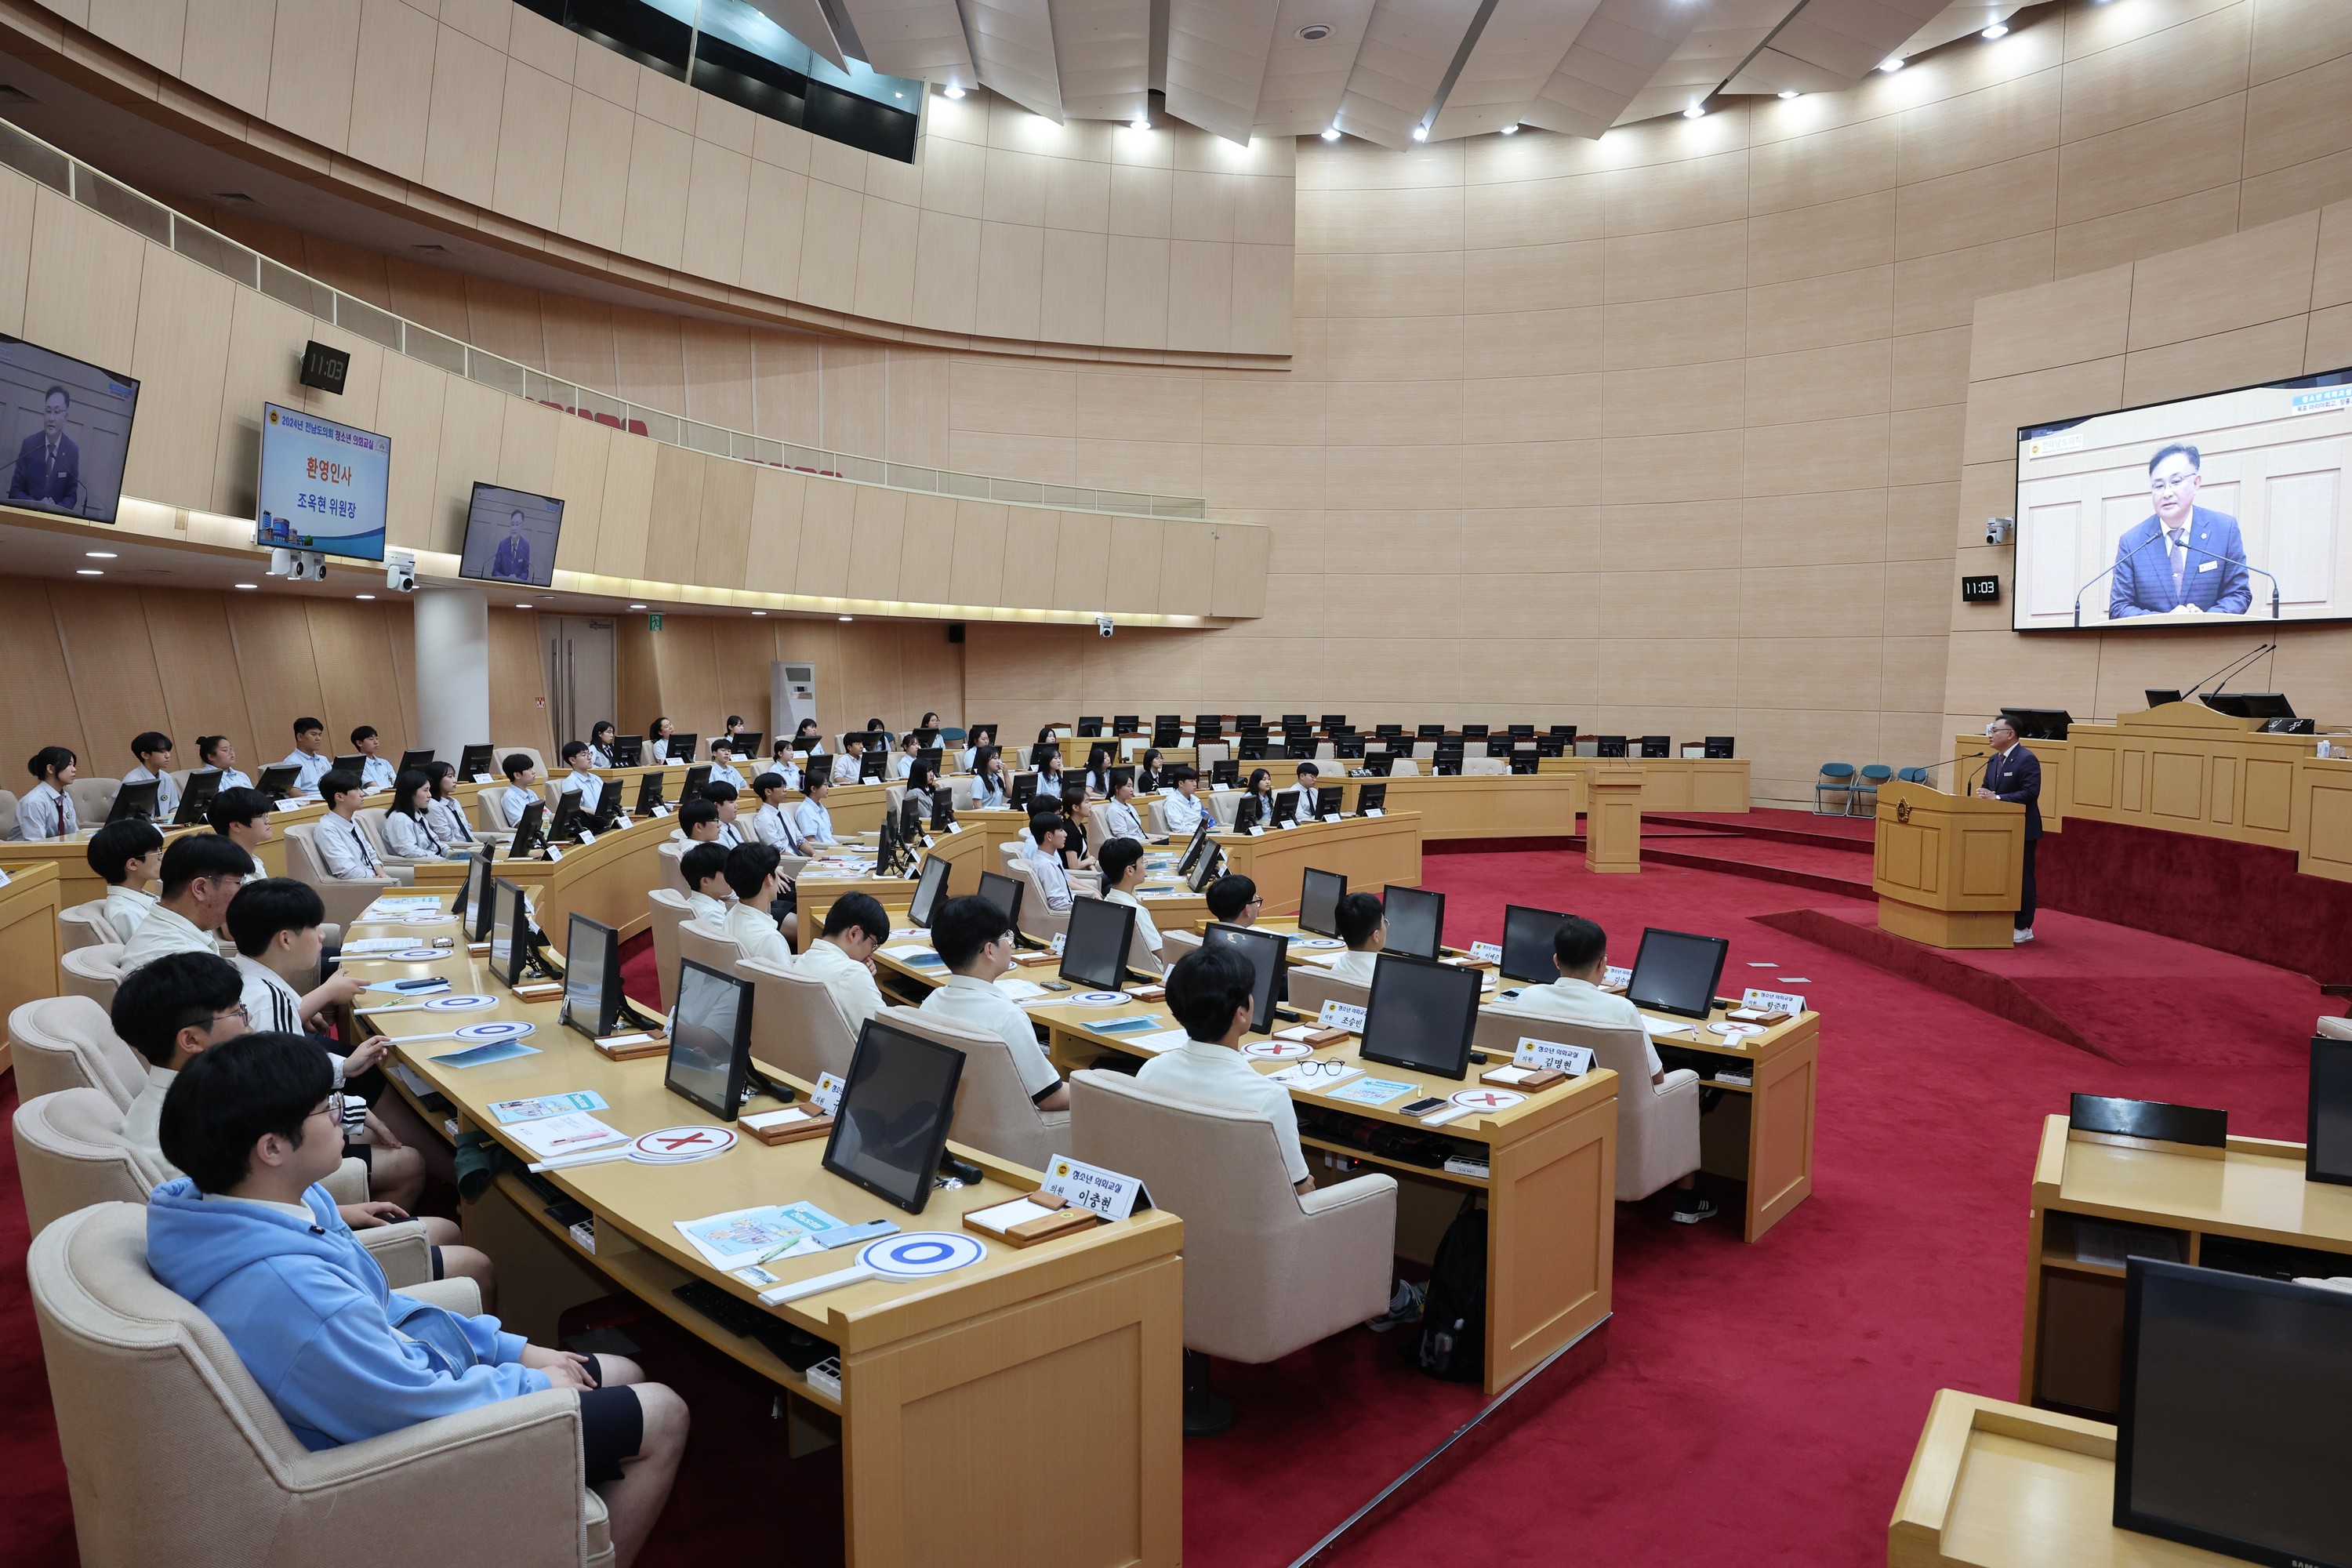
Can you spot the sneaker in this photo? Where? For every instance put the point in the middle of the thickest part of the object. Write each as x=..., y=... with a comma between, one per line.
x=1404, y=1307
x=2023, y=933
x=1691, y=1209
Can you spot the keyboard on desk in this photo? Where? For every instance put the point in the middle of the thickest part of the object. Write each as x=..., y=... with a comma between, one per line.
x=794, y=1347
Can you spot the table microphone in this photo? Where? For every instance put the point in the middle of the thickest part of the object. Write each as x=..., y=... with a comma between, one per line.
x=2228, y=669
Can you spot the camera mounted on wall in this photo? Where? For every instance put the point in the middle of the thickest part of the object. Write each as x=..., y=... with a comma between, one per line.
x=400, y=571
x=298, y=566
x=2000, y=530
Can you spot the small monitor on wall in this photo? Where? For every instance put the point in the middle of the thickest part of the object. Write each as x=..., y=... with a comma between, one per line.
x=324, y=485
x=510, y=536
x=69, y=430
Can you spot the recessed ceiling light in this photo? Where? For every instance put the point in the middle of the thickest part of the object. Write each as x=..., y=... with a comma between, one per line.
x=1421, y=132
x=849, y=617
x=248, y=584
x=952, y=90
x=1315, y=32
x=523, y=606
x=94, y=571
x=1139, y=123
x=1695, y=112
x=1790, y=92
x=636, y=606
x=98, y=555
x=1510, y=130
x=363, y=596
x=1892, y=63
x=1331, y=133
x=1998, y=30
x=759, y=612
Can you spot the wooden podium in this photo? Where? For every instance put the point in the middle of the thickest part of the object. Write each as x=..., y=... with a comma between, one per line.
x=1613, y=820
x=1949, y=869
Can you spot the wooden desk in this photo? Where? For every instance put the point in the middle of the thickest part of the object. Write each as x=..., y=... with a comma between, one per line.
x=1368, y=850
x=1671, y=784
x=1995, y=1485
x=1068, y=1345
x=30, y=941
x=1482, y=806
x=2246, y=1206
x=1550, y=1190
x=1612, y=821
x=78, y=884
x=1949, y=869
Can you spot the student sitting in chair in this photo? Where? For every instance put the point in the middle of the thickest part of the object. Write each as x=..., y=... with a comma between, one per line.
x=1048, y=834
x=903, y=763
x=1049, y=776
x=981, y=739
x=725, y=801
x=772, y=823
x=1209, y=993
x=752, y=872
x=445, y=814
x=1234, y=900
x=46, y=810
x=1182, y=807
x=253, y=1242
x=1580, y=952
x=1120, y=820
x=1121, y=864
x=343, y=846
x=974, y=939
x=1363, y=925
x=722, y=764
x=1151, y=774
x=407, y=821
x=128, y=854
x=786, y=763
x=807, y=731
x=704, y=869
x=1302, y=794
x=854, y=929
x=309, y=757
x=522, y=789
x=375, y=770
x=217, y=752
x=242, y=816
x=991, y=787
x=584, y=779
x=697, y=822
x=604, y=744
x=202, y=873
x=811, y=820
x=154, y=750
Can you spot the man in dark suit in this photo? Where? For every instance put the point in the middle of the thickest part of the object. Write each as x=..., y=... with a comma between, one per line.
x=48, y=465
x=2014, y=774
x=2183, y=557
x=513, y=559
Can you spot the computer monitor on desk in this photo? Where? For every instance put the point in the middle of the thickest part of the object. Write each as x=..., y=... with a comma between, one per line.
x=1379, y=764
x=1657, y=745
x=1329, y=798
x=1094, y=949
x=474, y=762
x=1389, y=731
x=1264, y=951
x=1551, y=745
x=2236, y=704
x=1320, y=894
x=1677, y=971
x=1416, y=918
x=710, y=1039
x=1612, y=746
x=1371, y=797
x=1528, y=938
x=1126, y=724
x=1475, y=732
x=895, y=1108
x=1348, y=747
x=1432, y=731
x=592, y=977
x=134, y=802
x=1002, y=891
x=1719, y=748
x=1421, y=1015
x=628, y=750
x=681, y=748
x=929, y=888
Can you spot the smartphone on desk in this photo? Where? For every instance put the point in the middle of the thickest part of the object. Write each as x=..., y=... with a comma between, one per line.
x=1423, y=1107
x=1055, y=984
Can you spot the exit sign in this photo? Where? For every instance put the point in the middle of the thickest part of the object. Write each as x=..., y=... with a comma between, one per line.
x=653, y=623
x=1980, y=590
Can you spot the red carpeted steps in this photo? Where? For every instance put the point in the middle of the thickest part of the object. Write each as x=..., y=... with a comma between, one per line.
x=1842, y=869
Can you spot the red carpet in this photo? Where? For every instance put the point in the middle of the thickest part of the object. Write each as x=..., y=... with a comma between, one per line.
x=1757, y=1404
x=1824, y=865
x=1785, y=826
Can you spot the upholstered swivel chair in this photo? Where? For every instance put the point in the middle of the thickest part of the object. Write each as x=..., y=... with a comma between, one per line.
x=68, y=1042
x=796, y=1029
x=94, y=971
x=1657, y=1124
x=346, y=899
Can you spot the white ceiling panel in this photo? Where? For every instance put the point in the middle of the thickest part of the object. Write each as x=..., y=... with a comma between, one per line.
x=1104, y=50
x=1012, y=43
x=1958, y=20
x=1217, y=54
x=919, y=39
x=1625, y=44
x=1305, y=81
x=1408, y=48
x=1849, y=37
x=806, y=20
x=1521, y=46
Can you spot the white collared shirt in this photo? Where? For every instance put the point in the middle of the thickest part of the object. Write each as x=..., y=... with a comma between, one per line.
x=343, y=846
x=990, y=793
x=166, y=930
x=728, y=835
x=721, y=773
x=445, y=817
x=127, y=909
x=591, y=788
x=980, y=1003
x=167, y=793
x=310, y=768
x=1204, y=1071
x=375, y=773
x=710, y=910
x=1053, y=881
x=814, y=822
x=1146, y=935
x=513, y=799
x=1304, y=810
x=1582, y=1002
x=410, y=838
x=1120, y=820
x=756, y=933
x=46, y=811
x=231, y=778
x=850, y=983
x=145, y=1114
x=901, y=765
x=1353, y=964
x=774, y=825
x=1182, y=811
x=1049, y=785
x=598, y=756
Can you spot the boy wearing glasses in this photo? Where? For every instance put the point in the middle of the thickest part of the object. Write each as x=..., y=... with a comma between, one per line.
x=1209, y=991
x=201, y=873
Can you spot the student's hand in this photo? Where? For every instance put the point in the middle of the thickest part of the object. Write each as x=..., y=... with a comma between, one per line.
x=564, y=1369
x=368, y=1216
x=342, y=986
x=367, y=1054
x=380, y=1136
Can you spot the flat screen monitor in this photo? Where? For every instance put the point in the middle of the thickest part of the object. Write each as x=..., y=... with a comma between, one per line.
x=870, y=766
x=1224, y=773
x=2238, y=705
x=696, y=777
x=818, y=772
x=1041, y=751
x=649, y=792
x=2157, y=696
x=1249, y=721
x=2229, y=1430
x=1429, y=731
x=1195, y=847
x=1677, y=971
x=1089, y=724
x=1247, y=811
x=194, y=795
x=278, y=780
x=133, y=801
x=1416, y=919
x=1211, y=864
x=1371, y=798
x=323, y=485
x=1528, y=936
x=69, y=424
x=352, y=761
x=681, y=748
x=566, y=827
x=1264, y=951
x=414, y=760
x=1328, y=799
x=1002, y=891
x=526, y=840
x=481, y=894
x=2097, y=498
x=1610, y=746
x=943, y=809
x=474, y=762
x=1657, y=745
x=510, y=536
x=1126, y=724
x=628, y=750
x=1024, y=789
x=1719, y=747
x=896, y=1108
x=930, y=887
x=1421, y=1015
x=1320, y=894
x=592, y=977
x=710, y=1039
x=2327, y=1145
x=509, y=931
x=1094, y=951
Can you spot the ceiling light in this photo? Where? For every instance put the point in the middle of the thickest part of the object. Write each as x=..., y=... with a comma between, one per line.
x=1315, y=32
x=1892, y=63
x=363, y=596
x=522, y=606
x=759, y=612
x=1139, y=123
x=1331, y=133
x=88, y=571
x=1421, y=132
x=98, y=555
x=952, y=90
x=1790, y=92
x=248, y=584
x=1695, y=112
x=898, y=95
x=1998, y=30
x=636, y=606
x=1510, y=130
x=849, y=617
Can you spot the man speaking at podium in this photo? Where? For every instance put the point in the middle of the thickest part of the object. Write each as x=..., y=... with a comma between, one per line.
x=2013, y=774
x=2184, y=557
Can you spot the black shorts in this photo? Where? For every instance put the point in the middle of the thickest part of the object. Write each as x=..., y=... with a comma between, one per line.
x=612, y=1426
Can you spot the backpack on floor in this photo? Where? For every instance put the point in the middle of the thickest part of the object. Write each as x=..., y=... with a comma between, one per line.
x=1452, y=1341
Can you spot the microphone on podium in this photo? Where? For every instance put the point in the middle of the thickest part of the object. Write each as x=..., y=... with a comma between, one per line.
x=1947, y=761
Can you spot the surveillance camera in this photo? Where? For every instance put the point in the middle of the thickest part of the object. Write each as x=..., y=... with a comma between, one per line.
x=1104, y=625
x=400, y=571
x=2000, y=530
x=285, y=562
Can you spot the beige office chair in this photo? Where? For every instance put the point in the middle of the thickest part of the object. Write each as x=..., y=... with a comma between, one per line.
x=993, y=1111
x=1265, y=1271
x=1175, y=945
x=346, y=899
x=1037, y=922
x=1097, y=828
x=371, y=821
x=8, y=813
x=1155, y=819
x=85, y=925
x=68, y=1042
x=1207, y=755
x=498, y=755
x=672, y=852
x=1404, y=768
x=92, y=798
x=94, y=971
x=795, y=1028
x=670, y=911
x=1657, y=1124
x=1223, y=804
x=960, y=786
x=1485, y=767
x=709, y=944
x=1311, y=985
x=178, y=1456
x=2335, y=1028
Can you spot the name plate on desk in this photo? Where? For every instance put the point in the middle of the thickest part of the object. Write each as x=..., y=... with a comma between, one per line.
x=1337, y=1014
x=1090, y=1188
x=1787, y=1002
x=1332, y=816
x=292, y=803
x=481, y=778
x=586, y=837
x=1374, y=811
x=1487, y=951
x=826, y=1095
x=1255, y=831
x=659, y=809
x=1551, y=1057
x=1614, y=976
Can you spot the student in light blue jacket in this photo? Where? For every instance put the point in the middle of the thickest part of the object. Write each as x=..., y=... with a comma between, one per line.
x=249, y=1238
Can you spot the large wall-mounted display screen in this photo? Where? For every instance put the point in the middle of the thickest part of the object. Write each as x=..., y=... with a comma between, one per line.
x=323, y=485
x=68, y=426
x=2225, y=506
x=510, y=536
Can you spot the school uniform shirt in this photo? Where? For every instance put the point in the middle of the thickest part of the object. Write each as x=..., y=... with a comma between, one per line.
x=710, y=910
x=231, y=778
x=272, y=1004
x=1146, y=782
x=1582, y=1002
x=310, y=768
x=1053, y=882
x=446, y=820
x=411, y=838
x=989, y=794
x=343, y=846
x=1049, y=788
x=376, y=773
x=44, y=811
x=774, y=825
x=512, y=801
x=813, y=822
x=146, y=1113
x=1146, y=935
x=127, y=909
x=789, y=771
x=901, y=765
x=721, y=773
x=166, y=930
x=984, y=1006
x=968, y=759
x=599, y=757
x=729, y=836
x=591, y=788
x=1304, y=809
x=1203, y=1070
x=1354, y=965
x=1120, y=821
x=167, y=793
x=756, y=933
x=1181, y=812
x=850, y=984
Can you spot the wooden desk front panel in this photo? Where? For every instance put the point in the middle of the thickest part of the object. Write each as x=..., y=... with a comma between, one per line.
x=1551, y=1215
x=2195, y=771
x=30, y=941
x=2323, y=803
x=1781, y=1128
x=606, y=880
x=1476, y=805
x=1368, y=850
x=78, y=884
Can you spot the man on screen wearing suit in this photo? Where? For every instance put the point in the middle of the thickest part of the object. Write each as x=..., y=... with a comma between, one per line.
x=513, y=559
x=2014, y=774
x=48, y=465
x=2184, y=557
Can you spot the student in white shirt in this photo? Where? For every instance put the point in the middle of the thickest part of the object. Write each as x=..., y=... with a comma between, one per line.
x=811, y=820
x=1579, y=950
x=216, y=752
x=1234, y=900
x=243, y=817
x=1363, y=925
x=129, y=855
x=202, y=873
x=991, y=787
x=1303, y=792
x=979, y=741
x=1045, y=859
x=46, y=811
x=725, y=801
x=697, y=822
x=851, y=765
x=604, y=743
x=407, y=827
x=976, y=941
x=658, y=734
x=772, y=823
x=154, y=750
x=1121, y=861
x=1209, y=991
x=854, y=928
x=1182, y=809
x=785, y=764
x=704, y=868
x=808, y=731
x=1260, y=788
x=522, y=788
x=1120, y=820
x=752, y=873
x=1049, y=776
x=1151, y=774
x=309, y=757
x=722, y=765
x=342, y=844
x=445, y=814
x=903, y=763
x=591, y=787
x=376, y=771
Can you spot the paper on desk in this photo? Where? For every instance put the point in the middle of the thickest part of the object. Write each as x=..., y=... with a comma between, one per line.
x=403, y=905
x=484, y=1054
x=1019, y=990
x=1292, y=1077
x=1005, y=1216
x=743, y=1236
x=575, y=1133
x=784, y=1118
x=369, y=944
x=910, y=952
x=1166, y=1040
x=539, y=1107
x=1661, y=1026
x=1145, y=1023
x=1375, y=1091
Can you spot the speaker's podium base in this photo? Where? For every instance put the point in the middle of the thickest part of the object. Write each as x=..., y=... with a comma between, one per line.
x=1948, y=928
x=1949, y=869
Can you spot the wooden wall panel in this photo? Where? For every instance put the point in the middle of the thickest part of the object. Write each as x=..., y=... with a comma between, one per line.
x=518, y=714
x=111, y=663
